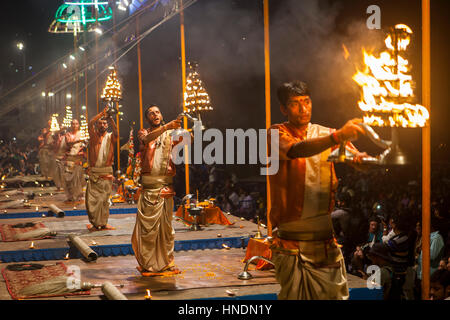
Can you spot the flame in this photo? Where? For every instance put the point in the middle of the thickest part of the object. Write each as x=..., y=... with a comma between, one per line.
x=67, y=122
x=112, y=90
x=54, y=125
x=195, y=96
x=84, y=128
x=346, y=53
x=387, y=88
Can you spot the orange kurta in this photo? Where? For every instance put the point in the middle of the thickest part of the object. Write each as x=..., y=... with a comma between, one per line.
x=287, y=187
x=308, y=262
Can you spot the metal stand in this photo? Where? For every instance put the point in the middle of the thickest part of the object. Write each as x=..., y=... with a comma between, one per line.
x=195, y=212
x=245, y=275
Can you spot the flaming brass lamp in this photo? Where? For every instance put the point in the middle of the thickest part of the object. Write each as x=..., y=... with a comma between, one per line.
x=387, y=94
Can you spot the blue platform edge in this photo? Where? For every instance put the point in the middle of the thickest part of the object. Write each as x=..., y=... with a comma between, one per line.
x=116, y=249
x=68, y=213
x=355, y=294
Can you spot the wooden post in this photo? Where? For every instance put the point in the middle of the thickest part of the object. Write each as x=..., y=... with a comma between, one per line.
x=117, y=103
x=426, y=154
x=268, y=111
x=96, y=71
x=77, y=111
x=118, y=137
x=141, y=117
x=183, y=76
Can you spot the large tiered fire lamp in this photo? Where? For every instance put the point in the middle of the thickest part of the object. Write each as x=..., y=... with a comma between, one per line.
x=112, y=92
x=387, y=98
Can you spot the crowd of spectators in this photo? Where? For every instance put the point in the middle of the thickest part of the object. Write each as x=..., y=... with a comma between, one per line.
x=377, y=220
x=18, y=159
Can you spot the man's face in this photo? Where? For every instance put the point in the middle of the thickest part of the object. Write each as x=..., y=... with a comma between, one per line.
x=154, y=116
x=359, y=252
x=437, y=291
x=373, y=226
x=298, y=110
x=75, y=125
x=102, y=125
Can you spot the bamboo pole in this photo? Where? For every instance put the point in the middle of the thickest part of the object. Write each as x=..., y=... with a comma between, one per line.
x=426, y=156
x=85, y=77
x=118, y=137
x=267, y=94
x=183, y=76
x=96, y=61
x=77, y=111
x=117, y=103
x=141, y=118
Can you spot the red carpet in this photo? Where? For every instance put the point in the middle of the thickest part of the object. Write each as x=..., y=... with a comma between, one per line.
x=17, y=280
x=9, y=233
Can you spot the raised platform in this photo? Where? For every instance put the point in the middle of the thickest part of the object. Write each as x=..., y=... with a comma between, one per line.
x=210, y=259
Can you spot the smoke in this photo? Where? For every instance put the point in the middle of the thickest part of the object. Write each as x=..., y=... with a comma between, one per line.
x=310, y=43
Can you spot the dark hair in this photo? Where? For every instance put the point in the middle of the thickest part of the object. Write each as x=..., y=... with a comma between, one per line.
x=402, y=221
x=374, y=218
x=441, y=276
x=292, y=89
x=148, y=109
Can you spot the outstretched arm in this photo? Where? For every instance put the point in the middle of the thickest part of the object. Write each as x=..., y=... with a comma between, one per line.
x=113, y=126
x=147, y=137
x=95, y=119
x=314, y=146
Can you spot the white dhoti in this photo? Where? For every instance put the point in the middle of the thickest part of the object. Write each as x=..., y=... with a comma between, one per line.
x=98, y=191
x=73, y=180
x=301, y=280
x=153, y=236
x=58, y=176
x=44, y=161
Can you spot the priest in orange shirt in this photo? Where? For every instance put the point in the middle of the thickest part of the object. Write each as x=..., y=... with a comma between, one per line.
x=101, y=159
x=308, y=262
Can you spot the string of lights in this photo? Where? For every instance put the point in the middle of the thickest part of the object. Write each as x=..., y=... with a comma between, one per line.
x=82, y=69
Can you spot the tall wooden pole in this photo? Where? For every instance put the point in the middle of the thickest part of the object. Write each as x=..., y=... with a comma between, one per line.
x=268, y=111
x=183, y=76
x=117, y=103
x=77, y=111
x=86, y=86
x=426, y=154
x=96, y=61
x=141, y=117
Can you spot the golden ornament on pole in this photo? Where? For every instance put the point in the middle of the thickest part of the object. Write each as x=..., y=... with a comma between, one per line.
x=112, y=94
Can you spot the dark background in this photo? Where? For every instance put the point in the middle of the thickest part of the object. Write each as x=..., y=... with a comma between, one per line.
x=226, y=38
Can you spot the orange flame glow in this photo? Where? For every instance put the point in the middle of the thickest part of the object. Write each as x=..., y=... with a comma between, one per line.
x=387, y=88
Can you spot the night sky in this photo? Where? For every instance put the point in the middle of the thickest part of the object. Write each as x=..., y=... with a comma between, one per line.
x=226, y=38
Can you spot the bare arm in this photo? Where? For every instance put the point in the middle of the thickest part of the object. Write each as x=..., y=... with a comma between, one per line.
x=113, y=126
x=174, y=124
x=314, y=146
x=310, y=147
x=95, y=119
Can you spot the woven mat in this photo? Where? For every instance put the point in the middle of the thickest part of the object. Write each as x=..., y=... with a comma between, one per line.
x=9, y=233
x=17, y=280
